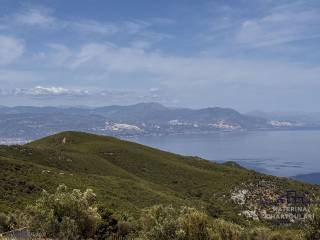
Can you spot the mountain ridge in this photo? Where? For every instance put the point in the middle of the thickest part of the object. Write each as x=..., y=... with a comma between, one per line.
x=26, y=123
x=128, y=176
x=31, y=123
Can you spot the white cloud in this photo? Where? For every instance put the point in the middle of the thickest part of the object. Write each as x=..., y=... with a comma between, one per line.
x=136, y=63
x=141, y=44
x=281, y=25
x=58, y=54
x=10, y=49
x=100, y=65
x=35, y=17
x=138, y=31
x=42, y=17
x=57, y=95
x=108, y=61
x=213, y=80
x=164, y=21
x=91, y=26
x=264, y=24
x=40, y=91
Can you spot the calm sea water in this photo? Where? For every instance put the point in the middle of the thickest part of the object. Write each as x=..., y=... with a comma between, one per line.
x=281, y=153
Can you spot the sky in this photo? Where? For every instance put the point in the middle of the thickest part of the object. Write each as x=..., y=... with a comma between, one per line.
x=243, y=54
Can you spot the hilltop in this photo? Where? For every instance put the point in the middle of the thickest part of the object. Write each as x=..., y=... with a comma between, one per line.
x=129, y=177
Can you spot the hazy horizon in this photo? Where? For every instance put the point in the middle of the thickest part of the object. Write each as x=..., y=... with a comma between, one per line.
x=194, y=108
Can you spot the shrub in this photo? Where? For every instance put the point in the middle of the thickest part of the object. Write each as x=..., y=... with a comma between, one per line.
x=11, y=221
x=287, y=235
x=4, y=223
x=276, y=236
x=64, y=214
x=214, y=211
x=108, y=226
x=160, y=223
x=259, y=233
x=193, y=224
x=226, y=230
x=167, y=223
x=312, y=229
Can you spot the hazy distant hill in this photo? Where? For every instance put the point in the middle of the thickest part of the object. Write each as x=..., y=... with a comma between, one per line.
x=144, y=118
x=308, y=120
x=129, y=176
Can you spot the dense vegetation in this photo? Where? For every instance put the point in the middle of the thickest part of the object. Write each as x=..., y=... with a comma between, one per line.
x=129, y=178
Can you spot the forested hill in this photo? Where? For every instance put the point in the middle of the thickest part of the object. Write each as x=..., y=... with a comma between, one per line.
x=128, y=177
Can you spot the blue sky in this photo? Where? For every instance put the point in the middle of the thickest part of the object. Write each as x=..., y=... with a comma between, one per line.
x=244, y=54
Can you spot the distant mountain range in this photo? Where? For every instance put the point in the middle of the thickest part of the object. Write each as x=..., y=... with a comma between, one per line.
x=20, y=124
x=304, y=119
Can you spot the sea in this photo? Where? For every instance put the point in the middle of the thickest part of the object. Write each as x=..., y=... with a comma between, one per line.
x=281, y=153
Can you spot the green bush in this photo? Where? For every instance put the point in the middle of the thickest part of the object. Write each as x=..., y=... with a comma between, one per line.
x=73, y=214
x=226, y=230
x=193, y=224
x=312, y=229
x=284, y=236
x=128, y=227
x=259, y=233
x=167, y=223
x=108, y=226
x=4, y=223
x=65, y=215
x=12, y=221
x=159, y=223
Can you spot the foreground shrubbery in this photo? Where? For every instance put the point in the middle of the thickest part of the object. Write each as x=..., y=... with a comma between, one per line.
x=9, y=222
x=75, y=215
x=312, y=231
x=72, y=215
x=65, y=215
x=168, y=223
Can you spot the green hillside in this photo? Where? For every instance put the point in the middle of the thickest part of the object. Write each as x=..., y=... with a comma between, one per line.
x=128, y=176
